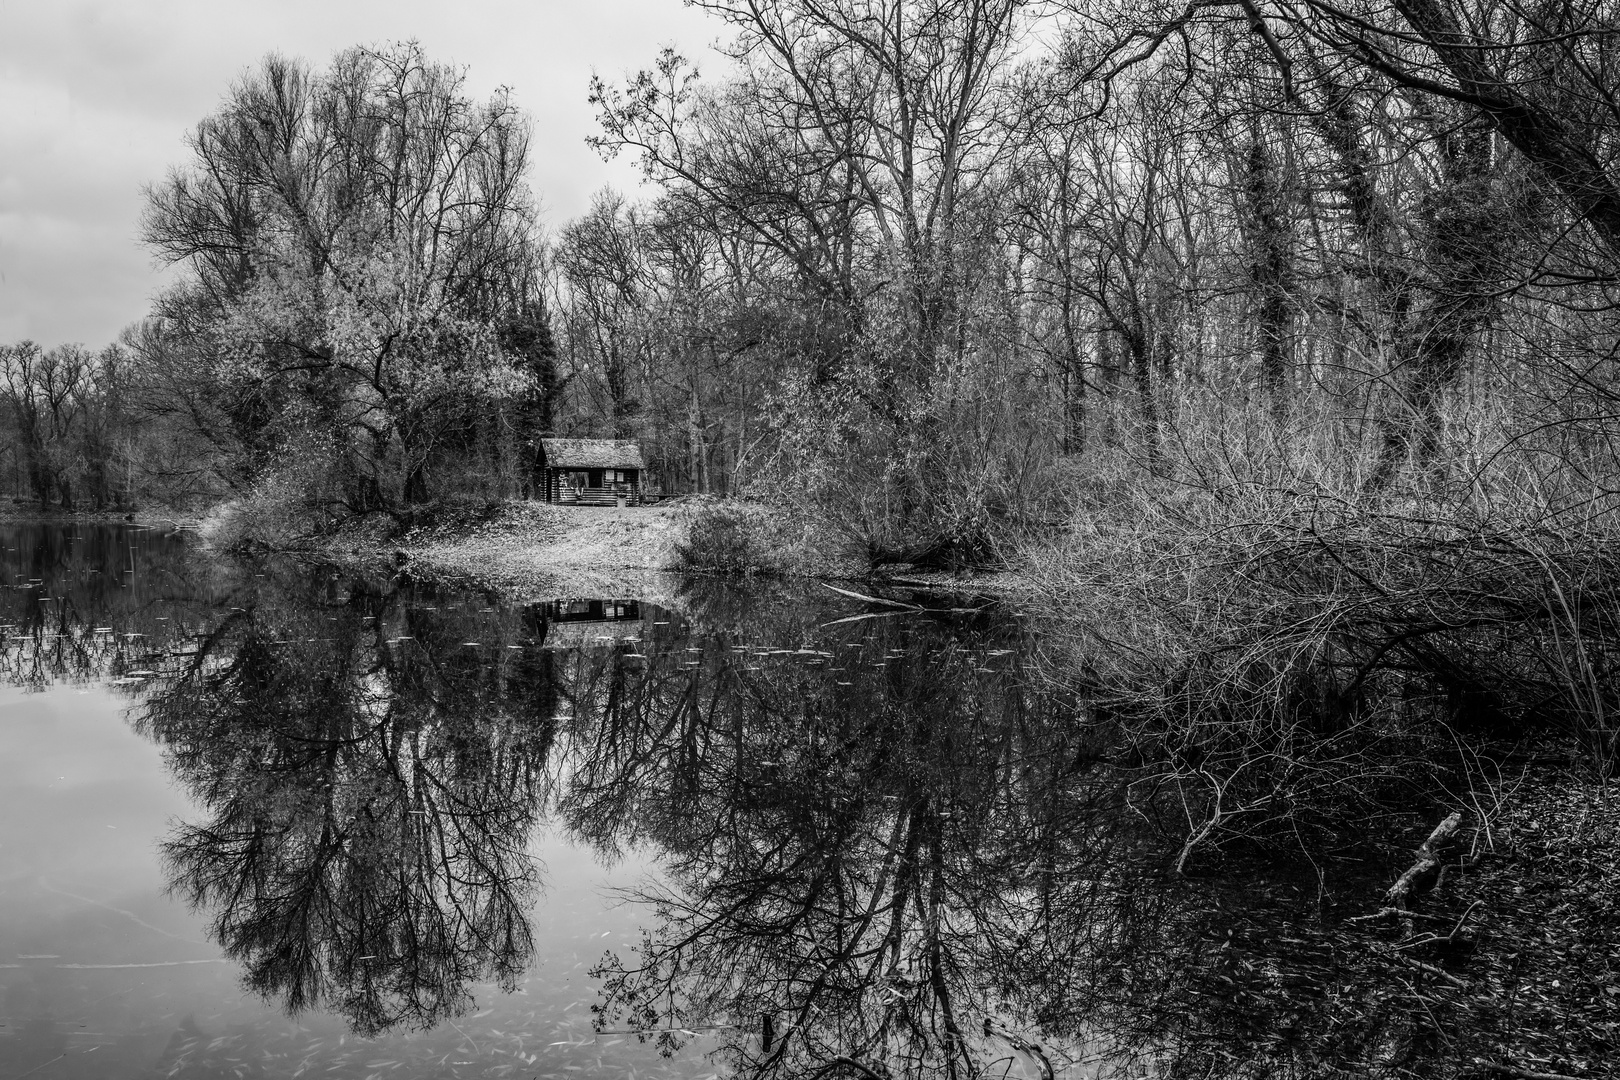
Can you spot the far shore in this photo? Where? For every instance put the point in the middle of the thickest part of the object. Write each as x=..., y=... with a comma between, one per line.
x=530, y=551
x=28, y=511
x=533, y=551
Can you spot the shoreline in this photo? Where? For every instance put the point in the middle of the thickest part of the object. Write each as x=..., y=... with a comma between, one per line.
x=539, y=551
x=152, y=518
x=530, y=551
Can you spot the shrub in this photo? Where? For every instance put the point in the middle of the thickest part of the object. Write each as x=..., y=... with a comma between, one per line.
x=451, y=514
x=728, y=539
x=274, y=513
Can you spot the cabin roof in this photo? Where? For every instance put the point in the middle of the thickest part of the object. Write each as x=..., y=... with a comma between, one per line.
x=591, y=454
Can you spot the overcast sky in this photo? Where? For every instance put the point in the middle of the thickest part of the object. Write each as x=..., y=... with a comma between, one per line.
x=96, y=97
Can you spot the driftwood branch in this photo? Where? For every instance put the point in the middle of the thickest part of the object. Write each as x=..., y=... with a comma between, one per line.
x=1386, y=912
x=862, y=618
x=1437, y=972
x=1516, y=1070
x=1428, y=860
x=873, y=599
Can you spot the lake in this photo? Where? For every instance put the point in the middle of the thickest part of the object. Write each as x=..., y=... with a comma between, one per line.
x=275, y=819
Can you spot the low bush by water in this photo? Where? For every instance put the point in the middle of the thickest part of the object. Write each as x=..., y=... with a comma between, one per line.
x=726, y=539
x=744, y=539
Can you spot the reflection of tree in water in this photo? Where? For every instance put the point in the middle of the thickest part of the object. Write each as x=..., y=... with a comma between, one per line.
x=371, y=780
x=889, y=855
x=863, y=837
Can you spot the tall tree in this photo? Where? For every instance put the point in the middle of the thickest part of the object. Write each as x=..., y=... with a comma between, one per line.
x=343, y=232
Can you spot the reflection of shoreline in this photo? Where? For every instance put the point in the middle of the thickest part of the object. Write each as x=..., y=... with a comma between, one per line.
x=97, y=602
x=11, y=514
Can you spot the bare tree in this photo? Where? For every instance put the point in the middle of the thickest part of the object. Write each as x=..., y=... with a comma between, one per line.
x=343, y=233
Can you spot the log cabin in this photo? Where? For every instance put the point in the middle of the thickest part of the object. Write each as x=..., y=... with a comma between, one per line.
x=592, y=472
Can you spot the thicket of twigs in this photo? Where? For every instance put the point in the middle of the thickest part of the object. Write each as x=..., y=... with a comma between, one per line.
x=1287, y=649
x=1297, y=659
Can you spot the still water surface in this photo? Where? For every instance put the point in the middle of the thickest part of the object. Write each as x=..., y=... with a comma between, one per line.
x=172, y=728
x=275, y=820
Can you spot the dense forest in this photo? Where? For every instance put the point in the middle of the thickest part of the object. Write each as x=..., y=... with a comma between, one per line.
x=930, y=267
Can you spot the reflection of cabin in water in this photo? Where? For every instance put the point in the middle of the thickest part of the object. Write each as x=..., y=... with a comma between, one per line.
x=574, y=623
x=593, y=472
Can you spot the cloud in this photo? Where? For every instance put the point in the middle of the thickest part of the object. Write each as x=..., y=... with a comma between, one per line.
x=100, y=93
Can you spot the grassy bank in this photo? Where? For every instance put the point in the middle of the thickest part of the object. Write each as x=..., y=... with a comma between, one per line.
x=531, y=550
x=525, y=550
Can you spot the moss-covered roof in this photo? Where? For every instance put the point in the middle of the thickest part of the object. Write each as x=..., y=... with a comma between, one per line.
x=591, y=454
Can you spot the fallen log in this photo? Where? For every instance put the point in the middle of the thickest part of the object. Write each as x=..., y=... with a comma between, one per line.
x=1520, y=1071
x=901, y=605
x=1429, y=857
x=1438, y=972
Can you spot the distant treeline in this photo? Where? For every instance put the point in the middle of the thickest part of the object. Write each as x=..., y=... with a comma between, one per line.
x=924, y=266
x=71, y=437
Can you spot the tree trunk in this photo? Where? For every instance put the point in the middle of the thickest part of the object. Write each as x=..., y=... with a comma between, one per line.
x=1138, y=342
x=1563, y=155
x=1271, y=271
